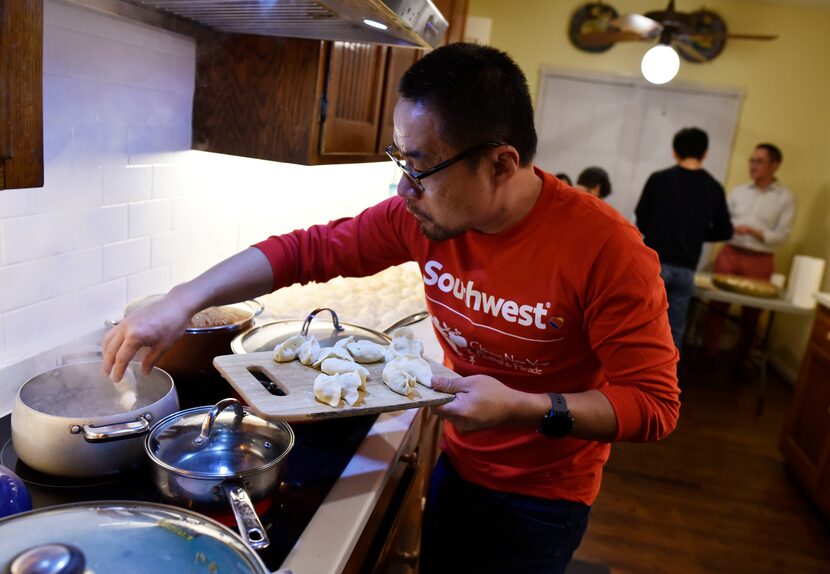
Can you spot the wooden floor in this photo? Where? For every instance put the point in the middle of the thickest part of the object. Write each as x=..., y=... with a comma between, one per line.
x=714, y=496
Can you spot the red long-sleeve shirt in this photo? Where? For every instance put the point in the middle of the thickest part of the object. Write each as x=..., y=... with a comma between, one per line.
x=567, y=300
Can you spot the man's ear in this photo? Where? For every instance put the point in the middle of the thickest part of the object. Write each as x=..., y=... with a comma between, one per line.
x=506, y=163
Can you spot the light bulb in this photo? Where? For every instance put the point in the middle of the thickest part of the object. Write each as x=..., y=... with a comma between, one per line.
x=660, y=64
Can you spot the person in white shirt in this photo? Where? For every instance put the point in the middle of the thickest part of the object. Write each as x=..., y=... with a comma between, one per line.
x=762, y=213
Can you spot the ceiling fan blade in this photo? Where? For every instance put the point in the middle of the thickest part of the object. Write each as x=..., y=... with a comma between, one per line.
x=716, y=36
x=691, y=53
x=606, y=38
x=637, y=24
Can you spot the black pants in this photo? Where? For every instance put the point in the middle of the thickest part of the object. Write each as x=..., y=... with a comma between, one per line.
x=468, y=528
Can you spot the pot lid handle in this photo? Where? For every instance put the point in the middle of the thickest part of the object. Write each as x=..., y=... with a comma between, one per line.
x=50, y=559
x=307, y=322
x=210, y=418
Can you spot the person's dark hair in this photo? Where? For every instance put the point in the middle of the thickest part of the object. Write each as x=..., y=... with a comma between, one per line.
x=592, y=176
x=691, y=142
x=772, y=150
x=564, y=177
x=479, y=93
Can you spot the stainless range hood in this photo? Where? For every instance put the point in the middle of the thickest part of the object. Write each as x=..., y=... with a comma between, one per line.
x=398, y=22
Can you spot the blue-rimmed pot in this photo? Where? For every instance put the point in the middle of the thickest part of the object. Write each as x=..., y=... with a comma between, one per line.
x=14, y=496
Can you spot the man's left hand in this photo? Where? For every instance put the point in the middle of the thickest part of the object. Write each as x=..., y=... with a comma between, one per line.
x=482, y=402
x=747, y=230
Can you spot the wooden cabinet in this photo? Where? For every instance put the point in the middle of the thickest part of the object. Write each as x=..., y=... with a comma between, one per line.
x=301, y=101
x=390, y=543
x=297, y=101
x=21, y=94
x=805, y=440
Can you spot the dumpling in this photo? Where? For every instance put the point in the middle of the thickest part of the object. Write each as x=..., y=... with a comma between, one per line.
x=351, y=385
x=335, y=366
x=364, y=351
x=327, y=352
x=417, y=367
x=327, y=389
x=309, y=351
x=404, y=343
x=397, y=379
x=330, y=389
x=287, y=350
x=343, y=343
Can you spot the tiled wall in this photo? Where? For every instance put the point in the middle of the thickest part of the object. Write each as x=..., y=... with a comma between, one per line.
x=126, y=209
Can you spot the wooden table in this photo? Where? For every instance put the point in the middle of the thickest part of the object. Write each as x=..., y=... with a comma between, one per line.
x=704, y=295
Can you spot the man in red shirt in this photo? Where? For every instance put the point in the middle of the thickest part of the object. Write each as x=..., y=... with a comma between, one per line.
x=545, y=300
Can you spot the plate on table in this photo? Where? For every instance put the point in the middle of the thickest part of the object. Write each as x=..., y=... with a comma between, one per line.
x=251, y=373
x=745, y=285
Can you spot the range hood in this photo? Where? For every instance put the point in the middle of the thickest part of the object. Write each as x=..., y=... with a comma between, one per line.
x=398, y=22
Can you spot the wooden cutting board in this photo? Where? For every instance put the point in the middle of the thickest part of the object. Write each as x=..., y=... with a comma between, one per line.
x=297, y=382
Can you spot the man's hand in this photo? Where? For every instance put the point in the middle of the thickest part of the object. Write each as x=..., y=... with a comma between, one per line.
x=483, y=402
x=156, y=326
x=747, y=230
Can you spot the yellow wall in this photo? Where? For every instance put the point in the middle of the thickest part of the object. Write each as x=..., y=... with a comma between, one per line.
x=787, y=98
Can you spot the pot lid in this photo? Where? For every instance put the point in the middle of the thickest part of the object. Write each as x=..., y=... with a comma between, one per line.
x=114, y=536
x=327, y=331
x=212, y=442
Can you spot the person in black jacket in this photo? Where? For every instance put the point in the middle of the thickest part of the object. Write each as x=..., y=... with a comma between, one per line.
x=682, y=207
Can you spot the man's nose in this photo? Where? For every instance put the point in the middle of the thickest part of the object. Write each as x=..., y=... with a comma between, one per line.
x=407, y=188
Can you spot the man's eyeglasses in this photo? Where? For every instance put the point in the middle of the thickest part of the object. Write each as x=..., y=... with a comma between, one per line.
x=416, y=176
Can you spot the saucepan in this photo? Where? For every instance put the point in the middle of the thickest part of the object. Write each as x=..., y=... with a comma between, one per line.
x=208, y=457
x=71, y=421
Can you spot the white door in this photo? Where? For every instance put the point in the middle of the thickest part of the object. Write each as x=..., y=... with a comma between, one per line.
x=626, y=126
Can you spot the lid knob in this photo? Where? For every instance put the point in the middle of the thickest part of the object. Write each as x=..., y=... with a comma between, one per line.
x=50, y=559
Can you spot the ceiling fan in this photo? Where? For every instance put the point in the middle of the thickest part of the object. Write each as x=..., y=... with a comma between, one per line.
x=698, y=36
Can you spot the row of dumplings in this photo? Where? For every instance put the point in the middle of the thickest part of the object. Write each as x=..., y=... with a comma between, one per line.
x=342, y=374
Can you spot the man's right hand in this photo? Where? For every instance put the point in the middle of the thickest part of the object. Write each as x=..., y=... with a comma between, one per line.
x=156, y=326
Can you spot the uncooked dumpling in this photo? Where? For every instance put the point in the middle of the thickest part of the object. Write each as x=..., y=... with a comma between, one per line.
x=397, y=379
x=327, y=389
x=351, y=383
x=343, y=343
x=287, y=350
x=327, y=352
x=417, y=367
x=309, y=351
x=336, y=366
x=364, y=351
x=404, y=343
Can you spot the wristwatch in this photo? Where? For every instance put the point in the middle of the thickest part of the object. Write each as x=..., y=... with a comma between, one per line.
x=558, y=422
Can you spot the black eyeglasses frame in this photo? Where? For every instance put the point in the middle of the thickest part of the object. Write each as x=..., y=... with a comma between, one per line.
x=417, y=176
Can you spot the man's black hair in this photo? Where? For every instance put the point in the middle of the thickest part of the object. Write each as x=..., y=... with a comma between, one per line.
x=479, y=93
x=592, y=176
x=691, y=142
x=772, y=150
x=564, y=177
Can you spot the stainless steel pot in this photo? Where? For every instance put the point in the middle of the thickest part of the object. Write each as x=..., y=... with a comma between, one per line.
x=207, y=457
x=69, y=421
x=192, y=355
x=123, y=537
x=327, y=331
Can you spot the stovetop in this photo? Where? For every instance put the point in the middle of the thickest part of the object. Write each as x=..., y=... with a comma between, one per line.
x=321, y=452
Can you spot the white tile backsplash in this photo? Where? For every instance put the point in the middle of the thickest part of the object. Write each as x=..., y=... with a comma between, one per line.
x=127, y=210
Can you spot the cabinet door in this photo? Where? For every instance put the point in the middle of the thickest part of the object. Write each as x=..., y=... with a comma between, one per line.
x=805, y=441
x=21, y=94
x=455, y=11
x=398, y=61
x=354, y=93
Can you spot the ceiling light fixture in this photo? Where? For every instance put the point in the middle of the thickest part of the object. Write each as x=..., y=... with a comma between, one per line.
x=660, y=64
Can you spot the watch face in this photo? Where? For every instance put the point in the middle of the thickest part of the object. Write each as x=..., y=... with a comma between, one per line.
x=557, y=425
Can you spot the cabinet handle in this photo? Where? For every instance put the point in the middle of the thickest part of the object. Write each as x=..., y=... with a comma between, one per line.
x=410, y=459
x=408, y=558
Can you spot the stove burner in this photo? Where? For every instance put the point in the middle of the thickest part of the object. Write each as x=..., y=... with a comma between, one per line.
x=10, y=459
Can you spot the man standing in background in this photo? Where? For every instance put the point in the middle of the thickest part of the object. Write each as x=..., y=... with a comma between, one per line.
x=680, y=208
x=762, y=212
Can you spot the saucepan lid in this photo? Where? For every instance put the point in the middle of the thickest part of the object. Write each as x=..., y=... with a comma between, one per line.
x=125, y=537
x=327, y=331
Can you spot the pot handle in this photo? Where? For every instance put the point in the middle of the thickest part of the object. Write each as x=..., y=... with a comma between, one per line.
x=250, y=527
x=334, y=319
x=116, y=431
x=257, y=305
x=408, y=320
